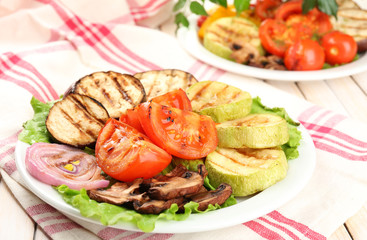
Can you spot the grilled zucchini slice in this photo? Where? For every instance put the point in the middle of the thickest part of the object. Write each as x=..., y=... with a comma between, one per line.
x=115, y=91
x=218, y=100
x=224, y=32
x=159, y=82
x=248, y=171
x=253, y=131
x=76, y=120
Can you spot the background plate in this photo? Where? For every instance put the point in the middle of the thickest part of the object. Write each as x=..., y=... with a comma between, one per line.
x=190, y=42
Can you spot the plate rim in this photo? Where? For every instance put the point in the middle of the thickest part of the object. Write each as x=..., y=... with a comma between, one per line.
x=189, y=41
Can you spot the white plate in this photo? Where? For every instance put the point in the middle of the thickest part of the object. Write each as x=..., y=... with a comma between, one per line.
x=189, y=40
x=300, y=171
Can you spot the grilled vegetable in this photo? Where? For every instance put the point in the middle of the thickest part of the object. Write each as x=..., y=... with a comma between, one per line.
x=247, y=170
x=253, y=131
x=181, y=133
x=57, y=164
x=158, y=82
x=126, y=154
x=224, y=32
x=117, y=92
x=219, y=101
x=76, y=120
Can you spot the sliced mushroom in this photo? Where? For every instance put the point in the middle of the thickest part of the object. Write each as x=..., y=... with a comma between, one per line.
x=202, y=171
x=268, y=62
x=218, y=196
x=119, y=193
x=174, y=187
x=243, y=52
x=156, y=206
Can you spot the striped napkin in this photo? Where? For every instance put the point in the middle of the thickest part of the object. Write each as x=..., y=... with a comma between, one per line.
x=47, y=45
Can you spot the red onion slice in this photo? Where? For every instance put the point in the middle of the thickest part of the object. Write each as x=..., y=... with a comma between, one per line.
x=57, y=164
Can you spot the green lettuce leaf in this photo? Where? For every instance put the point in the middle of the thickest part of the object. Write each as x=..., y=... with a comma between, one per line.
x=291, y=147
x=109, y=214
x=35, y=130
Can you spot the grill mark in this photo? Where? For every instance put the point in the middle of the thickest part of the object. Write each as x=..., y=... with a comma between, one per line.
x=96, y=81
x=123, y=93
x=87, y=113
x=77, y=126
x=247, y=24
x=170, y=80
x=233, y=160
x=228, y=35
x=218, y=93
x=223, y=167
x=152, y=85
x=83, y=89
x=351, y=14
x=137, y=84
x=107, y=97
x=190, y=80
x=254, y=120
x=232, y=32
x=200, y=92
x=234, y=97
x=266, y=157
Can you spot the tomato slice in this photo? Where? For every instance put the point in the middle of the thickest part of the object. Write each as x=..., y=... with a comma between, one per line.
x=304, y=55
x=321, y=21
x=181, y=133
x=271, y=34
x=287, y=9
x=266, y=8
x=176, y=98
x=131, y=118
x=125, y=154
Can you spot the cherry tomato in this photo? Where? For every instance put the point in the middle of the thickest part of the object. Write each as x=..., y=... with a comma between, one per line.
x=201, y=20
x=339, y=47
x=304, y=55
x=287, y=9
x=266, y=8
x=176, y=99
x=271, y=33
x=125, y=154
x=181, y=133
x=131, y=118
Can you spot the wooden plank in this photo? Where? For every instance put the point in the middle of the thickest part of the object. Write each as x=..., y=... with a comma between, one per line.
x=340, y=234
x=361, y=81
x=17, y=223
x=350, y=96
x=40, y=235
x=357, y=224
x=289, y=87
x=311, y=91
x=319, y=93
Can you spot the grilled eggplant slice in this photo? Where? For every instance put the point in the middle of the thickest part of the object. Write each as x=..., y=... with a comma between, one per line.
x=76, y=120
x=158, y=82
x=115, y=91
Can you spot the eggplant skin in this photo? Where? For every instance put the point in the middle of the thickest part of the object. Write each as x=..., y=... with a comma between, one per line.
x=159, y=82
x=362, y=46
x=117, y=92
x=76, y=120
